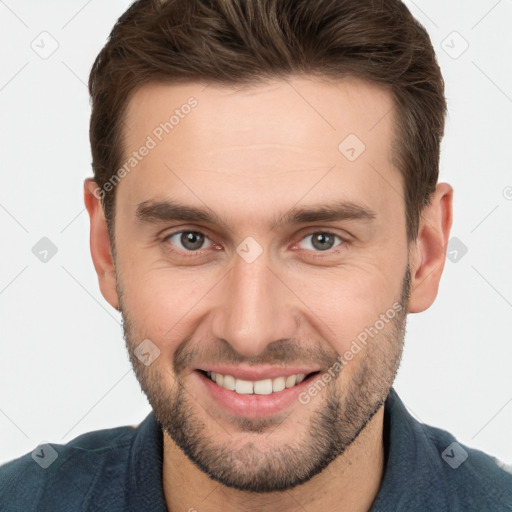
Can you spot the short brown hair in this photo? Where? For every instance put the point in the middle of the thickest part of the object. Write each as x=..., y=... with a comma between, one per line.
x=235, y=42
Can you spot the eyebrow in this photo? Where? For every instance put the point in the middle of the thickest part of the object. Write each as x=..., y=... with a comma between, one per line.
x=152, y=211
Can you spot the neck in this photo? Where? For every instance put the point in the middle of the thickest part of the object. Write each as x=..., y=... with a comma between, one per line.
x=350, y=482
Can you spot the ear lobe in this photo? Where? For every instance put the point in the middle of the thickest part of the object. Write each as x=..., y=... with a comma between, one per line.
x=428, y=255
x=101, y=251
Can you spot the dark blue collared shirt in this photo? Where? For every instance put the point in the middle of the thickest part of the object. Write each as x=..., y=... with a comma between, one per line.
x=120, y=470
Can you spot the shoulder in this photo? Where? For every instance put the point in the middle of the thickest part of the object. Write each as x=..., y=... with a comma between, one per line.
x=428, y=469
x=56, y=474
x=473, y=480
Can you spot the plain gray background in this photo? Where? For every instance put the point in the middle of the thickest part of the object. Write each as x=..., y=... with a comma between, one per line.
x=63, y=366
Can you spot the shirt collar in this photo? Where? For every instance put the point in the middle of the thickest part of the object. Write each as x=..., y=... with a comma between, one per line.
x=145, y=474
x=412, y=464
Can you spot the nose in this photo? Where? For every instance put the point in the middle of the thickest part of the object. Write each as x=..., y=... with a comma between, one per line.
x=255, y=307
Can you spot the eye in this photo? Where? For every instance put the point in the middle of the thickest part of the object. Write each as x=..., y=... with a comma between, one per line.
x=320, y=241
x=189, y=240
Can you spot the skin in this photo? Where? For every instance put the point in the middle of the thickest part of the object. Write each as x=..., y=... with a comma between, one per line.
x=250, y=155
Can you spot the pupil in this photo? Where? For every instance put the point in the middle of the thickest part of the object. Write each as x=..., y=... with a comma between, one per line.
x=322, y=238
x=192, y=240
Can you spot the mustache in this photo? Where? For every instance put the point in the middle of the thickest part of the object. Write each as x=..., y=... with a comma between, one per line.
x=284, y=352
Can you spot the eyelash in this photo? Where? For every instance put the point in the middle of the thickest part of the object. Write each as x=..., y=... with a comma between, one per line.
x=190, y=254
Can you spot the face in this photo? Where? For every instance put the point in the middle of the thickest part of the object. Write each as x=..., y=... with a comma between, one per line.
x=255, y=240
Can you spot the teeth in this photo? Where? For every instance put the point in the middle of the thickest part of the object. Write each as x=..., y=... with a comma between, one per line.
x=229, y=382
x=260, y=387
x=244, y=387
x=290, y=381
x=263, y=387
x=278, y=384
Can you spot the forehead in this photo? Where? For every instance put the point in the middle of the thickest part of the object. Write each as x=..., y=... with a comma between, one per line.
x=252, y=146
x=262, y=112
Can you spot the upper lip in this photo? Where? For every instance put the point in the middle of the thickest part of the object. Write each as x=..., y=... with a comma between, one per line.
x=258, y=373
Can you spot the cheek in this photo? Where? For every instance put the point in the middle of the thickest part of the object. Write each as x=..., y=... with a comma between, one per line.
x=161, y=302
x=342, y=303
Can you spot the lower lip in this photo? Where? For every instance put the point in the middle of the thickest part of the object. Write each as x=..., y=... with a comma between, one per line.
x=254, y=406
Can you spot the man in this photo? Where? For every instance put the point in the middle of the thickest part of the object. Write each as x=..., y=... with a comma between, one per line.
x=264, y=213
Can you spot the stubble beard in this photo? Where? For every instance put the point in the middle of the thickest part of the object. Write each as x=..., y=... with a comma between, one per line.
x=341, y=416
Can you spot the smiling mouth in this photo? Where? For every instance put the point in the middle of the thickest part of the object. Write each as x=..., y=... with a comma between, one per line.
x=259, y=387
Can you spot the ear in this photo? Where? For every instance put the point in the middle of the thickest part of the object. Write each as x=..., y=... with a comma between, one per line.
x=100, y=243
x=428, y=252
